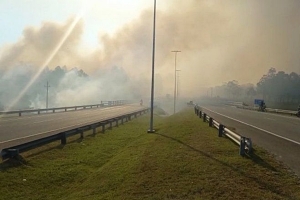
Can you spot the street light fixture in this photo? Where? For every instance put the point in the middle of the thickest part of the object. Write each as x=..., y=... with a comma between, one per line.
x=47, y=86
x=151, y=130
x=176, y=51
x=177, y=84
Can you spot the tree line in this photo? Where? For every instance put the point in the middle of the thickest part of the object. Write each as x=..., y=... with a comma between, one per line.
x=274, y=87
x=13, y=82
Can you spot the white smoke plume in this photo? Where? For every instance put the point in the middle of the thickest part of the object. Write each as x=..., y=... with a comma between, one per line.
x=220, y=41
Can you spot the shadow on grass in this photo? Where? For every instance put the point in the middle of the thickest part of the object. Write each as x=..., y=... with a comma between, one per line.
x=259, y=161
x=16, y=161
x=19, y=160
x=256, y=158
x=59, y=146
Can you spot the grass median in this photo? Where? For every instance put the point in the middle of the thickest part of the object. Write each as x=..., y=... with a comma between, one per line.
x=184, y=159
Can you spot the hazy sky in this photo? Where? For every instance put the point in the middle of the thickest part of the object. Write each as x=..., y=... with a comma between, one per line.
x=104, y=16
x=220, y=40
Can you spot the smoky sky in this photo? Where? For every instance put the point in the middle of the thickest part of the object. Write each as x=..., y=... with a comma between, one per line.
x=219, y=41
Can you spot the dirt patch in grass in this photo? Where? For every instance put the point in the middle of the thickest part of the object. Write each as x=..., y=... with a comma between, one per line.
x=184, y=159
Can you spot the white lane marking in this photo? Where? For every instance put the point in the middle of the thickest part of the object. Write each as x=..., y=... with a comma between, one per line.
x=279, y=136
x=33, y=135
x=63, y=112
x=105, y=118
x=270, y=119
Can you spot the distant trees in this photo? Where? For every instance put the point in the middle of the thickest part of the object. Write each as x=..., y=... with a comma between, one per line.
x=233, y=90
x=12, y=83
x=274, y=87
x=280, y=86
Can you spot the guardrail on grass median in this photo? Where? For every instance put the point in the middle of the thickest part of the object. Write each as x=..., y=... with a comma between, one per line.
x=62, y=136
x=65, y=109
x=244, y=142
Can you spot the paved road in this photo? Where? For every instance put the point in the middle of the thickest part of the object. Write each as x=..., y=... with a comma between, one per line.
x=279, y=134
x=16, y=130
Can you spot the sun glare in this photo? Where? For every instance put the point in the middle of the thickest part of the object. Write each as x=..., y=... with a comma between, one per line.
x=80, y=14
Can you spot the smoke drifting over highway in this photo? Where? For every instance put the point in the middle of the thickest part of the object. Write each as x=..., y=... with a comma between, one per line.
x=220, y=41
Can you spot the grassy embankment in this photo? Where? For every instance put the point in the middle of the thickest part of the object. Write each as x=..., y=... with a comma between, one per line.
x=184, y=159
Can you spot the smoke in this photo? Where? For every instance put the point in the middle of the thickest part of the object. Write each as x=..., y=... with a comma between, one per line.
x=37, y=44
x=67, y=87
x=219, y=41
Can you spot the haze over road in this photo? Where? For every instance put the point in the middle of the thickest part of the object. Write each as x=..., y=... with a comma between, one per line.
x=279, y=134
x=16, y=130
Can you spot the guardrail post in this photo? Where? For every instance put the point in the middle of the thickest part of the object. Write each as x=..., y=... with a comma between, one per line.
x=94, y=129
x=200, y=114
x=117, y=122
x=39, y=111
x=110, y=124
x=63, y=138
x=81, y=134
x=248, y=145
x=204, y=117
x=103, y=128
x=12, y=153
x=211, y=122
x=242, y=146
x=19, y=114
x=221, y=129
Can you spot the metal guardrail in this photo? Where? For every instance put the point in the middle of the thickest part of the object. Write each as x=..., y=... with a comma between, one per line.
x=65, y=109
x=244, y=142
x=62, y=136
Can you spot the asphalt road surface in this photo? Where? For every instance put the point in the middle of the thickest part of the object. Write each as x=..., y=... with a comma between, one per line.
x=279, y=134
x=16, y=130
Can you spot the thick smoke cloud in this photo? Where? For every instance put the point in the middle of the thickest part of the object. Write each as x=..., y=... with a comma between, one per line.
x=220, y=41
x=37, y=44
x=67, y=87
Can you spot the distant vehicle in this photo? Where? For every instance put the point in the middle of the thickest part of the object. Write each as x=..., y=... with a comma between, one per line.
x=262, y=105
x=191, y=103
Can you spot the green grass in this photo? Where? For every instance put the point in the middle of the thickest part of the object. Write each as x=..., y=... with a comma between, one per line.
x=184, y=159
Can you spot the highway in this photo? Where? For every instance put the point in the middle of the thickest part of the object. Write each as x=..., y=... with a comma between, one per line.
x=16, y=130
x=279, y=134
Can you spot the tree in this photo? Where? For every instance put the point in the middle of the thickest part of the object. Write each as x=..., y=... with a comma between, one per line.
x=280, y=86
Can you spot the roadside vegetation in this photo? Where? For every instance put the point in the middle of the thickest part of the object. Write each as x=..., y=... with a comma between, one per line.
x=184, y=159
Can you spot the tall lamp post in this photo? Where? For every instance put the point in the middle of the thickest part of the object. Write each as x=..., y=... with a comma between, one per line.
x=47, y=86
x=176, y=51
x=151, y=130
x=177, y=86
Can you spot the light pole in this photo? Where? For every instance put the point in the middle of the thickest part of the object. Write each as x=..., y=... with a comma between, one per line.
x=47, y=86
x=151, y=130
x=176, y=51
x=177, y=93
